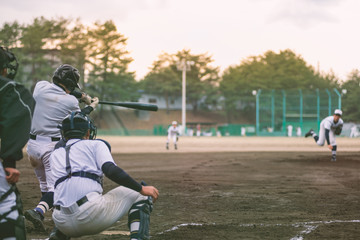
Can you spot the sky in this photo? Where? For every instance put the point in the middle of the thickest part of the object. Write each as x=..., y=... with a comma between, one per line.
x=325, y=33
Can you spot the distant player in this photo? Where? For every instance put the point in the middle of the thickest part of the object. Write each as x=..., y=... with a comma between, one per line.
x=329, y=127
x=54, y=101
x=81, y=208
x=173, y=133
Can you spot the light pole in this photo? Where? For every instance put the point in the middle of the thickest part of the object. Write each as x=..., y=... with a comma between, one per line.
x=184, y=66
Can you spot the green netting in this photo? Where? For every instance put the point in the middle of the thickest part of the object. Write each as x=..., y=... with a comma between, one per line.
x=304, y=108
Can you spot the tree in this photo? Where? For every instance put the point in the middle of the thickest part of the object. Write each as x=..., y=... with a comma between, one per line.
x=109, y=77
x=74, y=48
x=166, y=79
x=284, y=70
x=39, y=42
x=350, y=101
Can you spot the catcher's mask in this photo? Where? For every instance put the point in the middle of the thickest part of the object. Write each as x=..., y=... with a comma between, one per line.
x=76, y=125
x=8, y=61
x=68, y=76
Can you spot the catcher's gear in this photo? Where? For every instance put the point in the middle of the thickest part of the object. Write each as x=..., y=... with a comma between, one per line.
x=8, y=61
x=338, y=130
x=76, y=125
x=68, y=76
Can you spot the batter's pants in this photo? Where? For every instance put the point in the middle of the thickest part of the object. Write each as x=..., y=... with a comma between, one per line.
x=97, y=214
x=39, y=152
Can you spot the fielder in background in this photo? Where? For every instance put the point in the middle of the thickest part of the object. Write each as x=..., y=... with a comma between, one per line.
x=78, y=167
x=54, y=101
x=16, y=108
x=173, y=133
x=329, y=128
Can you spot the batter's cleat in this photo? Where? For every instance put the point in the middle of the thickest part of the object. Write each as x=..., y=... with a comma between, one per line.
x=333, y=158
x=36, y=218
x=309, y=133
x=56, y=234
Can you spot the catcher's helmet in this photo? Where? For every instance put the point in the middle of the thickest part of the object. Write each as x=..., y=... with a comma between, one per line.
x=8, y=61
x=76, y=125
x=68, y=76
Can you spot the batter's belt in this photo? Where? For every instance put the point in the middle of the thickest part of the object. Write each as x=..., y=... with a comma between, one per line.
x=53, y=139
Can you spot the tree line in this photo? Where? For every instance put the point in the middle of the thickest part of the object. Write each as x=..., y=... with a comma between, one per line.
x=99, y=52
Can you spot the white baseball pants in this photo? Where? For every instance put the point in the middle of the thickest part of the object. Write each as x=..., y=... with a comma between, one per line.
x=321, y=139
x=39, y=152
x=96, y=215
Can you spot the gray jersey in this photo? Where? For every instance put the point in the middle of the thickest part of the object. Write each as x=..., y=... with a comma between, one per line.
x=53, y=104
x=329, y=123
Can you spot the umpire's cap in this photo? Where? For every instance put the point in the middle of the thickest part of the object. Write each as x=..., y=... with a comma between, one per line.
x=68, y=76
x=76, y=125
x=8, y=61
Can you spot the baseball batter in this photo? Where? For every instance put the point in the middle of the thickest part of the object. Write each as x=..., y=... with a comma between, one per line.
x=78, y=168
x=16, y=108
x=53, y=103
x=173, y=133
x=329, y=128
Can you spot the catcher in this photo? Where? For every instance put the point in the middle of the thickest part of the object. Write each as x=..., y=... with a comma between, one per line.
x=329, y=128
x=78, y=167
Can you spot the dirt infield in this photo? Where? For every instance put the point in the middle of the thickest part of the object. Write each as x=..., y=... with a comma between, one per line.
x=235, y=188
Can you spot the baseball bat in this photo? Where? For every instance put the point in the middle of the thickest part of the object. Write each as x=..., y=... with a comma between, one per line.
x=134, y=105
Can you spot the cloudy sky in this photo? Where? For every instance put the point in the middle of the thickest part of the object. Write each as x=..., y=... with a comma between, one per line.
x=325, y=33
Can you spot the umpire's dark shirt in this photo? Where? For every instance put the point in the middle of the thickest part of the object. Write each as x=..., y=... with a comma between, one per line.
x=16, y=108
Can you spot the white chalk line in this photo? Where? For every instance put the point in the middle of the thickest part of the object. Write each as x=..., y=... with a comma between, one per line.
x=309, y=226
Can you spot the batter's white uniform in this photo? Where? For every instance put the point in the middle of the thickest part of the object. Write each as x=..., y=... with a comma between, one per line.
x=173, y=132
x=100, y=211
x=53, y=104
x=328, y=123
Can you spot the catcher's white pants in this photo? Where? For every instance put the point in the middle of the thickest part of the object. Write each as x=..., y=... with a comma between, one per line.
x=8, y=202
x=39, y=152
x=171, y=137
x=321, y=139
x=96, y=215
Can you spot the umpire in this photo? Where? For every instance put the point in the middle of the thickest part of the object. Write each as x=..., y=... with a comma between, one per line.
x=16, y=108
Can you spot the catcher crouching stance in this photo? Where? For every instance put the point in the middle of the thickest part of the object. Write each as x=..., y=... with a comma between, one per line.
x=329, y=127
x=78, y=166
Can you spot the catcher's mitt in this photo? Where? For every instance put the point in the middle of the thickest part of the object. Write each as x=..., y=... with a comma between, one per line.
x=338, y=130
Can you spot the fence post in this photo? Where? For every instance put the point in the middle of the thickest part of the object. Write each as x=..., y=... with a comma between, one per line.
x=273, y=110
x=339, y=98
x=329, y=94
x=301, y=109
x=257, y=111
x=318, y=107
x=284, y=110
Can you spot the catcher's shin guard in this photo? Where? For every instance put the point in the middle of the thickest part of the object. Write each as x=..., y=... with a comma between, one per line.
x=139, y=219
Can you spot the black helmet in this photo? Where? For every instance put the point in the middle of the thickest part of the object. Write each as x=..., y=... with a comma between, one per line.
x=68, y=76
x=76, y=125
x=9, y=61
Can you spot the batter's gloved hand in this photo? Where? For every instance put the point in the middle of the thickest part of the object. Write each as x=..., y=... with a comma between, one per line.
x=85, y=98
x=94, y=102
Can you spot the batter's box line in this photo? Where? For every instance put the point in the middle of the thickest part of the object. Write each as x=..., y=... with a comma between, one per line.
x=309, y=226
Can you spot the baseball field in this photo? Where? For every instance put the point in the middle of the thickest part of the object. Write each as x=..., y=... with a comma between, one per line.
x=234, y=188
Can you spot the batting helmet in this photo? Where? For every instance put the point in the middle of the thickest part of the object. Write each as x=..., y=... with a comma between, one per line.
x=174, y=123
x=8, y=61
x=68, y=76
x=76, y=125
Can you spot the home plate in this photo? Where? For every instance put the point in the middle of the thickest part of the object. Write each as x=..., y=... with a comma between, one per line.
x=116, y=233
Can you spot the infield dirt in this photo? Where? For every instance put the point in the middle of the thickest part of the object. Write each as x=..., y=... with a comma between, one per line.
x=235, y=188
